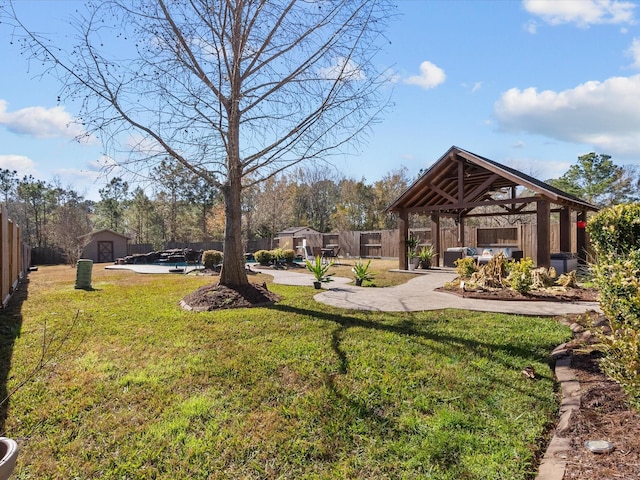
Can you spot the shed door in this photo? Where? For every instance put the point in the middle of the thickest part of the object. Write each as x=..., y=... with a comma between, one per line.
x=105, y=252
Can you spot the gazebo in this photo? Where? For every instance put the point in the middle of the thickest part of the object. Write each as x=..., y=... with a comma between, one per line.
x=461, y=182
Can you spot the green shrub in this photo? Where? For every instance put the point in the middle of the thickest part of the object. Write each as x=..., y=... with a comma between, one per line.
x=426, y=255
x=622, y=361
x=361, y=272
x=615, y=233
x=466, y=266
x=616, y=230
x=283, y=255
x=520, y=278
x=288, y=254
x=211, y=258
x=320, y=270
x=263, y=257
x=276, y=255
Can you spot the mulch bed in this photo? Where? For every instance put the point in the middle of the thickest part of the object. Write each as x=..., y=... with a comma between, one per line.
x=555, y=295
x=215, y=297
x=604, y=414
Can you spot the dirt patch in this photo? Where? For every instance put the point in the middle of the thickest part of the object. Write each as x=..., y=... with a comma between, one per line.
x=215, y=297
x=604, y=414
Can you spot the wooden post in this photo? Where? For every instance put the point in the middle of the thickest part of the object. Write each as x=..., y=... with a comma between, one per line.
x=581, y=238
x=565, y=229
x=543, y=255
x=403, y=234
x=435, y=237
x=5, y=270
x=461, y=239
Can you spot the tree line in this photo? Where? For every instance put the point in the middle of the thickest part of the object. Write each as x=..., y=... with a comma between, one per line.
x=181, y=207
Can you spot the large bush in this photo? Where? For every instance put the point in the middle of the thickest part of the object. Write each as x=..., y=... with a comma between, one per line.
x=263, y=257
x=288, y=254
x=615, y=233
x=616, y=230
x=211, y=258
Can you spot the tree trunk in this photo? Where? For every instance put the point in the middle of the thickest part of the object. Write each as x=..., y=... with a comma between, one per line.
x=233, y=271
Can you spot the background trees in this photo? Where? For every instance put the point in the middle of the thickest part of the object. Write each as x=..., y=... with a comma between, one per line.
x=234, y=91
x=113, y=202
x=53, y=216
x=598, y=180
x=185, y=209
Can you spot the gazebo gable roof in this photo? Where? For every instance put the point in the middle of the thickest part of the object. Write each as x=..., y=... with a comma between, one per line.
x=461, y=181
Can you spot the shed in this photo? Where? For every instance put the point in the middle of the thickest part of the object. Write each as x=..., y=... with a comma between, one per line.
x=460, y=183
x=293, y=236
x=105, y=246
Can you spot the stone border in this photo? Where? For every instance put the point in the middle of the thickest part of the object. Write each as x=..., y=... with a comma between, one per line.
x=554, y=461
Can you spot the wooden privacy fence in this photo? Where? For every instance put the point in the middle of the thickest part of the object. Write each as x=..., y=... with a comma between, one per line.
x=15, y=256
x=384, y=243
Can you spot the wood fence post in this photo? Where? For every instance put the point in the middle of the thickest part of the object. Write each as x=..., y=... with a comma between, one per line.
x=403, y=234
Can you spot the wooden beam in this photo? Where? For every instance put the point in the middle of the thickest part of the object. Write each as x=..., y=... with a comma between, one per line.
x=461, y=239
x=565, y=229
x=435, y=237
x=581, y=237
x=454, y=206
x=403, y=235
x=482, y=187
x=461, y=198
x=543, y=254
x=499, y=214
x=442, y=193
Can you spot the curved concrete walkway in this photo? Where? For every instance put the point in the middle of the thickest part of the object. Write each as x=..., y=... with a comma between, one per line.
x=419, y=294
x=416, y=295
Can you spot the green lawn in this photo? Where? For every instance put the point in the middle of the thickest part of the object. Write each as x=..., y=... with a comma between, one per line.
x=138, y=388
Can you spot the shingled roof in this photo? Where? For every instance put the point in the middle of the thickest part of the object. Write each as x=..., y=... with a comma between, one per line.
x=461, y=181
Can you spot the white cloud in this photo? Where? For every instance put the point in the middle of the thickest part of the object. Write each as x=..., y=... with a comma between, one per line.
x=605, y=115
x=430, y=76
x=21, y=164
x=40, y=122
x=102, y=163
x=634, y=52
x=77, y=174
x=583, y=13
x=343, y=69
x=531, y=27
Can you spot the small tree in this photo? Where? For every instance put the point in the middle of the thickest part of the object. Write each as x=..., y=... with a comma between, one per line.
x=70, y=226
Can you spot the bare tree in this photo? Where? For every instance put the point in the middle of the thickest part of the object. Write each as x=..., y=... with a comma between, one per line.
x=71, y=225
x=235, y=90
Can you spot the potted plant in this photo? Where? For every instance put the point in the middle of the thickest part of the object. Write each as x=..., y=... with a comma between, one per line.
x=361, y=272
x=426, y=254
x=412, y=243
x=319, y=271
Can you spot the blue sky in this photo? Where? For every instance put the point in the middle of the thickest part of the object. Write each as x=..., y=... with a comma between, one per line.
x=532, y=84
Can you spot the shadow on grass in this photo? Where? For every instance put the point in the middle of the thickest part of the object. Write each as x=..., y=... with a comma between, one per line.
x=10, y=328
x=444, y=447
x=449, y=344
